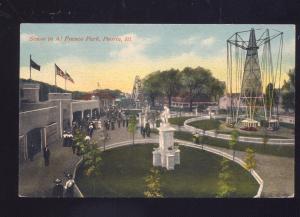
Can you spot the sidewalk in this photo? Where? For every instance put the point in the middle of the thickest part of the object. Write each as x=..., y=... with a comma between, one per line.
x=36, y=180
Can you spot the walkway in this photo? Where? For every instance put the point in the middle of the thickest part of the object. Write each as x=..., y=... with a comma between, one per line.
x=276, y=172
x=36, y=180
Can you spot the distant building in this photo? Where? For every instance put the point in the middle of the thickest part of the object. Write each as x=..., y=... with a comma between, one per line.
x=106, y=99
x=184, y=102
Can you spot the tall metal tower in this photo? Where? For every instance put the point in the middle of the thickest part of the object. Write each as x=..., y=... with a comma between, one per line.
x=252, y=80
x=251, y=88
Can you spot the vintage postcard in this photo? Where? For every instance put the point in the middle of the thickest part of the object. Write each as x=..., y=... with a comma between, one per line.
x=156, y=111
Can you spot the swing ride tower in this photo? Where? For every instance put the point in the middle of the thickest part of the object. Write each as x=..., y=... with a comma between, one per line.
x=253, y=80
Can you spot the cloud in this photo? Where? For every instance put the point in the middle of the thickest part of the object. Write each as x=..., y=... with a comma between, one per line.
x=208, y=41
x=133, y=49
x=198, y=40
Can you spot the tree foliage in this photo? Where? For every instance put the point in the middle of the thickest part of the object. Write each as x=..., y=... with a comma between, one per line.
x=153, y=184
x=225, y=186
x=192, y=83
x=288, y=92
x=152, y=86
x=170, y=83
x=234, y=140
x=250, y=159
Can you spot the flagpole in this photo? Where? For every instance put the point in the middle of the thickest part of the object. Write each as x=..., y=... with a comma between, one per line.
x=65, y=81
x=55, y=76
x=30, y=68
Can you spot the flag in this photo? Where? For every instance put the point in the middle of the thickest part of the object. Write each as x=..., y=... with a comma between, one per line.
x=67, y=76
x=34, y=65
x=58, y=71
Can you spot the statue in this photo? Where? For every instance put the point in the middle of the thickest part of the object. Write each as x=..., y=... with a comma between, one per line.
x=165, y=115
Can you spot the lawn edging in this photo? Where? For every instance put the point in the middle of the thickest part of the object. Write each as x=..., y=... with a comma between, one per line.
x=183, y=143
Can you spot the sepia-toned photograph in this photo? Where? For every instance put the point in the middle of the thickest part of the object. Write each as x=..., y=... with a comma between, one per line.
x=156, y=111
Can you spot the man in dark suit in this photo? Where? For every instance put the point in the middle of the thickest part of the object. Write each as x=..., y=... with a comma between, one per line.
x=46, y=155
x=58, y=189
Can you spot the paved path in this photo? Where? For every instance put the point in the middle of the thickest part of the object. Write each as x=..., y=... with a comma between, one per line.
x=36, y=180
x=276, y=172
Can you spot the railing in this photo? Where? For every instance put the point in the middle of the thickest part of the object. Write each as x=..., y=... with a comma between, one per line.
x=255, y=140
x=184, y=143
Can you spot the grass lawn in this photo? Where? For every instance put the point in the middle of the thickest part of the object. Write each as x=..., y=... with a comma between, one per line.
x=178, y=120
x=123, y=171
x=206, y=124
x=277, y=150
x=284, y=132
x=287, y=125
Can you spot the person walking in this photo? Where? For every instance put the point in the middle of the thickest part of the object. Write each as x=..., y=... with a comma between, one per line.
x=90, y=130
x=69, y=186
x=127, y=120
x=31, y=152
x=123, y=119
x=46, y=155
x=73, y=145
x=119, y=123
x=58, y=189
x=144, y=132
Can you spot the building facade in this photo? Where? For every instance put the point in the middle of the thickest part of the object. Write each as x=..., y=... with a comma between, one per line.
x=43, y=123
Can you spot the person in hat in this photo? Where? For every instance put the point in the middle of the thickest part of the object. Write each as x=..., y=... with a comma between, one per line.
x=46, y=155
x=69, y=186
x=58, y=189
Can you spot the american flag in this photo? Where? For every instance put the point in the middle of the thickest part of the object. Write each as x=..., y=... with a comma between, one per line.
x=69, y=77
x=59, y=72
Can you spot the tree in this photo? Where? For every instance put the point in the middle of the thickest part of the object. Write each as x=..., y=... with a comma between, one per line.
x=288, y=92
x=170, y=83
x=193, y=82
x=153, y=184
x=132, y=126
x=225, y=186
x=92, y=162
x=217, y=89
x=152, y=86
x=233, y=141
x=80, y=142
x=250, y=159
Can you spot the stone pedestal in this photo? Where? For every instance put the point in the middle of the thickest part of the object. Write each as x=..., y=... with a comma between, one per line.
x=166, y=155
x=170, y=161
x=156, y=157
x=177, y=156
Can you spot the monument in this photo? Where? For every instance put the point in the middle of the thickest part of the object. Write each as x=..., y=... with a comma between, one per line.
x=166, y=155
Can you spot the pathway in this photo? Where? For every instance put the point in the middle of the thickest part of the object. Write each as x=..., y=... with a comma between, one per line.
x=36, y=180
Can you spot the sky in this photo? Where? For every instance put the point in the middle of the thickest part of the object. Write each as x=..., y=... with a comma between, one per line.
x=113, y=54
